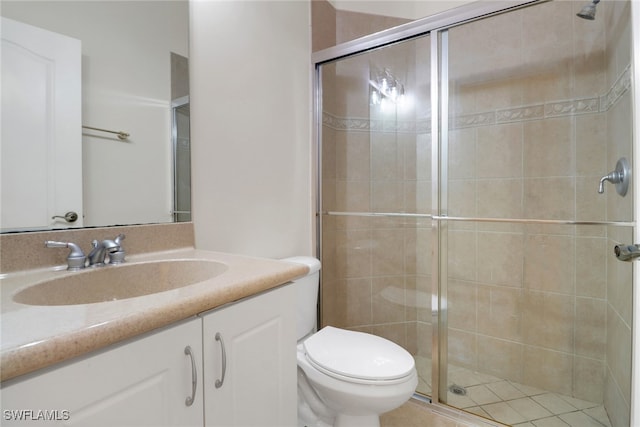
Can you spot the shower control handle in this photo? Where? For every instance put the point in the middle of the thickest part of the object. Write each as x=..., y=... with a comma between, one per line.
x=621, y=177
x=613, y=177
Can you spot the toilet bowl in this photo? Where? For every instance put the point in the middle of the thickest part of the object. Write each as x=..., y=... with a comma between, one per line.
x=345, y=378
x=357, y=376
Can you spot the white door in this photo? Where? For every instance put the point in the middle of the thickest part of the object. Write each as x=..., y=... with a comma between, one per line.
x=41, y=145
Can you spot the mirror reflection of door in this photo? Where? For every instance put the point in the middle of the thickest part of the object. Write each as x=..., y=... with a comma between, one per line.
x=41, y=150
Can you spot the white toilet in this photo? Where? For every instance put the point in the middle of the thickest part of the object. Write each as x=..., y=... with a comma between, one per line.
x=345, y=378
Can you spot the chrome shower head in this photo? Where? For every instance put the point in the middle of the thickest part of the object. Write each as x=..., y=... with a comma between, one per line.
x=589, y=11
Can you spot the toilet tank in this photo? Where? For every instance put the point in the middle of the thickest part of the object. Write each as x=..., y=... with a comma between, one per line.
x=307, y=295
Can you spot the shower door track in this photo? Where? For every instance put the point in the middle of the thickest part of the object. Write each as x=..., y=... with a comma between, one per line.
x=478, y=219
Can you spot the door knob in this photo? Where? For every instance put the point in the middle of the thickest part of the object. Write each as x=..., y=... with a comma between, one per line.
x=69, y=217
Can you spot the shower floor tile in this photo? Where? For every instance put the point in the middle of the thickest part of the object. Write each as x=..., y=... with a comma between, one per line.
x=512, y=403
x=505, y=390
x=504, y=413
x=579, y=419
x=482, y=395
x=529, y=409
x=554, y=403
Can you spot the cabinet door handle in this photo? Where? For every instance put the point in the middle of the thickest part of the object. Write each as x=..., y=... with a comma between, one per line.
x=194, y=377
x=224, y=360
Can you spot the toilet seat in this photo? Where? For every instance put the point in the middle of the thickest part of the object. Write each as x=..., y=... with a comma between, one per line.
x=358, y=357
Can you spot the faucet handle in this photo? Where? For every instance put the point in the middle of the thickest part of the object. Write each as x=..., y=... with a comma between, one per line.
x=621, y=177
x=76, y=258
x=117, y=257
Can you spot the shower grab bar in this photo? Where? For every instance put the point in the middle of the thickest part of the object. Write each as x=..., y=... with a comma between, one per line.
x=478, y=219
x=121, y=134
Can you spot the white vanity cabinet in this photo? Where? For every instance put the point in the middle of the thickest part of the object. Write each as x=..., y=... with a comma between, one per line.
x=145, y=381
x=250, y=376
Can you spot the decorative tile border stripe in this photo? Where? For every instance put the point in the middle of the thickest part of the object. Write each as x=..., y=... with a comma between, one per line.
x=619, y=88
x=472, y=120
x=358, y=124
x=572, y=107
x=340, y=123
x=530, y=112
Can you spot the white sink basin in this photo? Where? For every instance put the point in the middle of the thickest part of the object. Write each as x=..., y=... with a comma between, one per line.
x=117, y=282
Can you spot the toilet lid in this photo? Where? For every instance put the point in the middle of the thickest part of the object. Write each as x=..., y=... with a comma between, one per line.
x=358, y=355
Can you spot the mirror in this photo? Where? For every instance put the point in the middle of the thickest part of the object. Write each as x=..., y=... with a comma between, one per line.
x=134, y=79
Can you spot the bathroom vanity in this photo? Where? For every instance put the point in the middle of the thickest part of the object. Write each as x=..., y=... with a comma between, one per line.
x=217, y=352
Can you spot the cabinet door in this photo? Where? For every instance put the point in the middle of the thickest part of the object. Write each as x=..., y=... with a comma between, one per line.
x=141, y=383
x=253, y=360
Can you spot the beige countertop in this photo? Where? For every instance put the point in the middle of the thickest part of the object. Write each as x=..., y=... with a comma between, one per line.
x=37, y=336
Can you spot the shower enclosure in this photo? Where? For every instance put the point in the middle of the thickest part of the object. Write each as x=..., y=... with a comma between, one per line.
x=181, y=150
x=460, y=163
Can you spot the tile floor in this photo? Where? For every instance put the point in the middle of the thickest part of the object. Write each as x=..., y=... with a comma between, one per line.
x=418, y=414
x=515, y=404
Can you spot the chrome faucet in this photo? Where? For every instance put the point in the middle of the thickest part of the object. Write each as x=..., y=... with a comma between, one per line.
x=99, y=252
x=76, y=259
x=97, y=257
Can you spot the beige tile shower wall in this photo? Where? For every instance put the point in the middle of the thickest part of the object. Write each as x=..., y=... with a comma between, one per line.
x=323, y=25
x=380, y=278
x=352, y=25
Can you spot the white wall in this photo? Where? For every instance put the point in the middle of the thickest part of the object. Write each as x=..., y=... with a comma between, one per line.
x=635, y=67
x=250, y=127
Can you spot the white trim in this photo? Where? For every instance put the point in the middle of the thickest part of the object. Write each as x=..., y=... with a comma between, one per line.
x=634, y=72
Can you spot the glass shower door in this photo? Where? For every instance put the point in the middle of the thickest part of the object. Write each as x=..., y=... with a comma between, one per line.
x=538, y=308
x=376, y=193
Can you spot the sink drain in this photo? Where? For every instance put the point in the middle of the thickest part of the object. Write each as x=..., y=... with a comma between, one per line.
x=458, y=389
